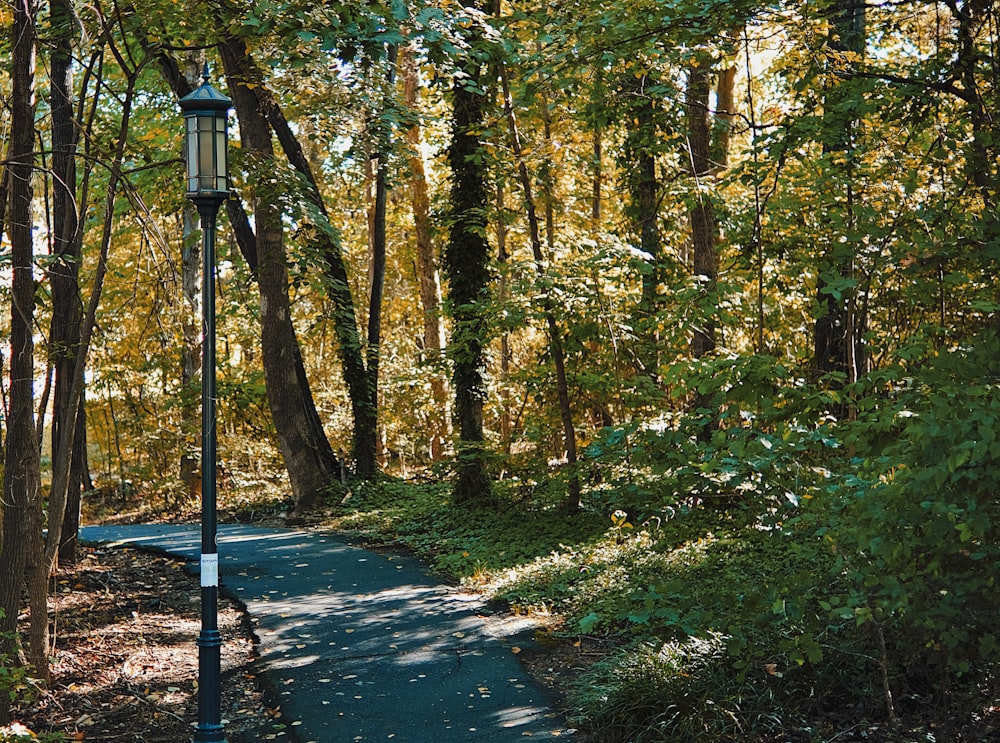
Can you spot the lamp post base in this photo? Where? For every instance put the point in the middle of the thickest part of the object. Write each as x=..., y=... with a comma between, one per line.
x=210, y=728
x=210, y=735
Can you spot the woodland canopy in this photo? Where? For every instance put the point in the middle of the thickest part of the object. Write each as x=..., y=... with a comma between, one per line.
x=624, y=259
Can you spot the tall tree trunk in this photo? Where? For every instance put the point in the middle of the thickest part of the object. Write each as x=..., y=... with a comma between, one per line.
x=22, y=499
x=62, y=465
x=308, y=458
x=503, y=294
x=704, y=231
x=349, y=344
x=836, y=347
x=555, y=338
x=427, y=268
x=383, y=147
x=67, y=307
x=641, y=144
x=467, y=267
x=319, y=463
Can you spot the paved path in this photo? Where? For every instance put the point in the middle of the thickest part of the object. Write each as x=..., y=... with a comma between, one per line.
x=364, y=646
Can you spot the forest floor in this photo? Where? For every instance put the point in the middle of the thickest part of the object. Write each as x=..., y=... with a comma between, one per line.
x=125, y=663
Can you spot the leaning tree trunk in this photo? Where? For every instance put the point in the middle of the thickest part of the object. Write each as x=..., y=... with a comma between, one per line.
x=322, y=457
x=349, y=346
x=22, y=497
x=308, y=459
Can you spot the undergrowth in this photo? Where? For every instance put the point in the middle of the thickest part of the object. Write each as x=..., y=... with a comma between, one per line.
x=768, y=573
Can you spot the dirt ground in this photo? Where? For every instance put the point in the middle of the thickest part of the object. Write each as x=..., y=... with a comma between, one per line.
x=125, y=662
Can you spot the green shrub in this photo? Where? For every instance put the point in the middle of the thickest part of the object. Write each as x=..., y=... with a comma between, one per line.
x=17, y=733
x=916, y=535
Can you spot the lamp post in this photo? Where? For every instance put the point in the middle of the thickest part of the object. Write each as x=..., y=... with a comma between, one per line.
x=205, y=119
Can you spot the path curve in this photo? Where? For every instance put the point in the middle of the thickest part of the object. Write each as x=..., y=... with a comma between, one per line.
x=366, y=646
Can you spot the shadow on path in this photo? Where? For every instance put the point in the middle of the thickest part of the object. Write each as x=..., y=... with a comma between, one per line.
x=364, y=646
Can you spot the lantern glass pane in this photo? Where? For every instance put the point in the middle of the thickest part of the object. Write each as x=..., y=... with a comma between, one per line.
x=220, y=148
x=192, y=154
x=206, y=153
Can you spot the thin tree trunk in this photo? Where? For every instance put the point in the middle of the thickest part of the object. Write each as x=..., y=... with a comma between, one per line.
x=67, y=309
x=21, y=548
x=383, y=146
x=506, y=354
x=555, y=338
x=61, y=466
x=598, y=171
x=702, y=211
x=427, y=269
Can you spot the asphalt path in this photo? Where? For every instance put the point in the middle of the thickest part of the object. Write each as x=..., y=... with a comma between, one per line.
x=367, y=646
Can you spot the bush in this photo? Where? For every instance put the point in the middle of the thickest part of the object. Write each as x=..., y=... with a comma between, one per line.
x=917, y=534
x=18, y=733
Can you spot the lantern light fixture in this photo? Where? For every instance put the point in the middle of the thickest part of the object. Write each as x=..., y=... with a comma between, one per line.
x=206, y=114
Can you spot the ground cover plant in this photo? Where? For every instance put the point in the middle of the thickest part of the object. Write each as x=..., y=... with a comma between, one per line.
x=773, y=580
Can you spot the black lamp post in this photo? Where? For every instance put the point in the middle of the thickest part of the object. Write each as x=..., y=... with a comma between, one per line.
x=205, y=118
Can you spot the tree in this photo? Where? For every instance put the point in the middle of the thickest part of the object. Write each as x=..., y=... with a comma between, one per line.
x=427, y=264
x=466, y=259
x=708, y=141
x=704, y=231
x=554, y=334
x=64, y=271
x=836, y=332
x=21, y=556
x=308, y=458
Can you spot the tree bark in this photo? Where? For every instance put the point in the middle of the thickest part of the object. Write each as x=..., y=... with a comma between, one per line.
x=704, y=231
x=308, y=458
x=383, y=146
x=67, y=307
x=836, y=346
x=349, y=345
x=317, y=465
x=724, y=117
x=641, y=143
x=22, y=498
x=427, y=268
x=467, y=268
x=598, y=182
